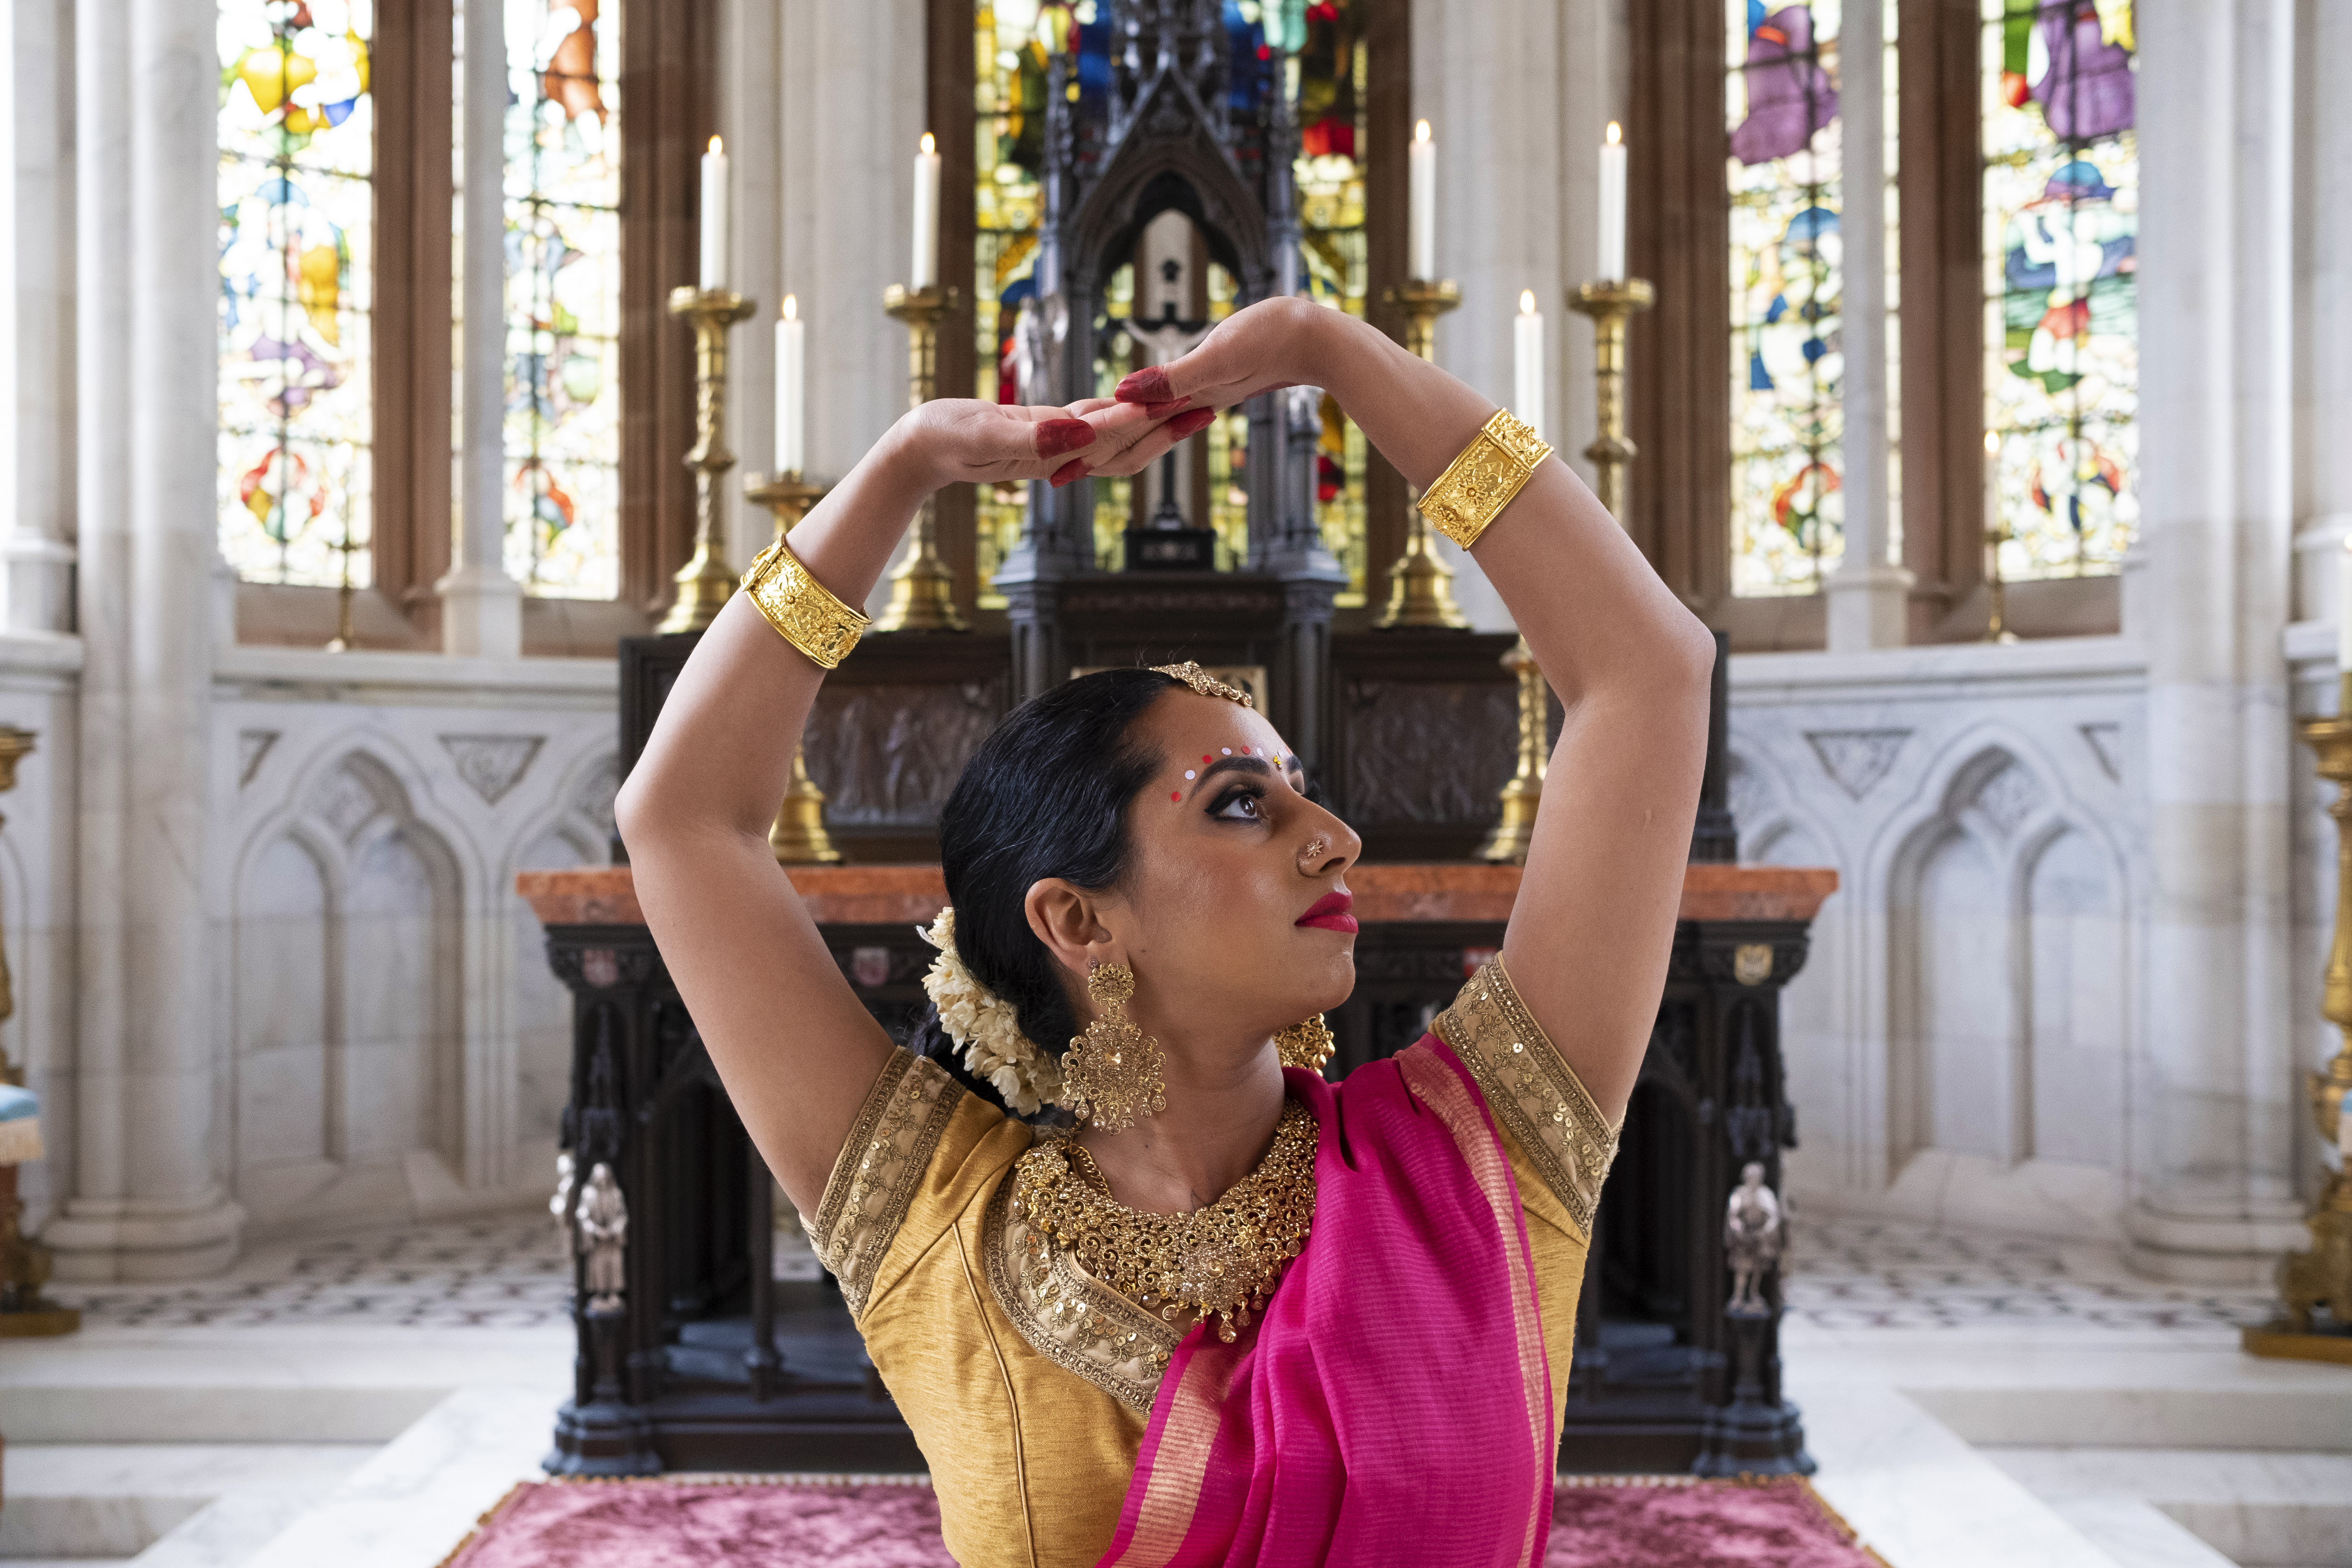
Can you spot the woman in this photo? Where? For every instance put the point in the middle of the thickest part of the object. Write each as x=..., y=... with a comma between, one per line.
x=1239, y=1316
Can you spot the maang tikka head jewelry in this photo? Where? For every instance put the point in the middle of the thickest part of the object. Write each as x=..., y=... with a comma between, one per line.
x=1110, y=1075
x=1305, y=1045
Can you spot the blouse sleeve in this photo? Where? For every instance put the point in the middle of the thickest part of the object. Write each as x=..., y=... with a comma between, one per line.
x=1550, y=1125
x=919, y=1152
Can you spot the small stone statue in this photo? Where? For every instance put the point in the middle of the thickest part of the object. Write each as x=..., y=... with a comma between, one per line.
x=603, y=1237
x=566, y=1181
x=1751, y=1240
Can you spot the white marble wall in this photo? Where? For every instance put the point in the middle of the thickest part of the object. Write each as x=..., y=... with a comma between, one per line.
x=1962, y=1041
x=387, y=1037
x=1973, y=1038
x=383, y=1037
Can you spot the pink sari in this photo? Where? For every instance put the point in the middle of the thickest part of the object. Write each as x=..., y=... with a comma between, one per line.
x=1393, y=1406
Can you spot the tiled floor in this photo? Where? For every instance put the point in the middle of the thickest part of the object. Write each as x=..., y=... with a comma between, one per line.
x=512, y=1272
x=1851, y=1273
x=508, y=1272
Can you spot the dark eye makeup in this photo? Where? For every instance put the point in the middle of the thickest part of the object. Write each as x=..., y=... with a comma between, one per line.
x=1249, y=795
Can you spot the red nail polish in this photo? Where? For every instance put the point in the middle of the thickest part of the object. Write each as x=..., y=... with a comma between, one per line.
x=1055, y=436
x=1190, y=424
x=1149, y=384
x=1073, y=469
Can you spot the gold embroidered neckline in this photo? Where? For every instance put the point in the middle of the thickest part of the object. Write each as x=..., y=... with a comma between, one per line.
x=1220, y=1261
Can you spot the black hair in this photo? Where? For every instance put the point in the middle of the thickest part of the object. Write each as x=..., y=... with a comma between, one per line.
x=1046, y=796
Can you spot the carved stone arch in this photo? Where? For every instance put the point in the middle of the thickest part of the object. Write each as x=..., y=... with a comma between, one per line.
x=1193, y=175
x=1769, y=810
x=278, y=1088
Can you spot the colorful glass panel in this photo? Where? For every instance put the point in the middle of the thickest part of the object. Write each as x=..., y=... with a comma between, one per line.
x=563, y=298
x=1013, y=41
x=1328, y=94
x=1787, y=358
x=297, y=129
x=2061, y=331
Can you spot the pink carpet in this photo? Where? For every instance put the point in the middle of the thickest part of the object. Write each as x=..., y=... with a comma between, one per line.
x=759, y=1521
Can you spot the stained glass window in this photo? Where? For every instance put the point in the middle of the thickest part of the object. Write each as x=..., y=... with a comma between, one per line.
x=1788, y=360
x=2061, y=214
x=1012, y=42
x=297, y=134
x=1329, y=93
x=563, y=298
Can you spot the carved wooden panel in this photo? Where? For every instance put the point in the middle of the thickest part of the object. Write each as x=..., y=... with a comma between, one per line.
x=888, y=755
x=1429, y=753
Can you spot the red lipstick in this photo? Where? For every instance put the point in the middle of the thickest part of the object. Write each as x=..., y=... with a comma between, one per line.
x=1330, y=912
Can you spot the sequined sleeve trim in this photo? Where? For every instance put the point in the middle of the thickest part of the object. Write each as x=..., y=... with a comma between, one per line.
x=880, y=1165
x=1532, y=1093
x=1068, y=1316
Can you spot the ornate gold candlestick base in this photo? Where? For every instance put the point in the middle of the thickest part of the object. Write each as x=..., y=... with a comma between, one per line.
x=1512, y=834
x=1420, y=586
x=922, y=590
x=705, y=580
x=2324, y=1275
x=798, y=836
x=1611, y=305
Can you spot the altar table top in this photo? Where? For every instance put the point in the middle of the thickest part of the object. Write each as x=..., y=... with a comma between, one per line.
x=1385, y=893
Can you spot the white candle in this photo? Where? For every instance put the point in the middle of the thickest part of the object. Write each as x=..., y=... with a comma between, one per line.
x=927, y=215
x=1422, y=164
x=2344, y=608
x=792, y=360
x=1527, y=362
x=714, y=217
x=1613, y=206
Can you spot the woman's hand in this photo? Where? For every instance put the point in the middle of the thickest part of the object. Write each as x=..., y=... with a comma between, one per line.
x=960, y=440
x=1270, y=345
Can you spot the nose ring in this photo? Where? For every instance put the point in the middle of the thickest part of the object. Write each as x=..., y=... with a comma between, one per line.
x=1315, y=848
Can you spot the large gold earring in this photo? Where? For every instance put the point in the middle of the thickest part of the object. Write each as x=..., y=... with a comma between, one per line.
x=1111, y=1074
x=1306, y=1044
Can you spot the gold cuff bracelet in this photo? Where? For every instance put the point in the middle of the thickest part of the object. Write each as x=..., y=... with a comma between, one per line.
x=1477, y=485
x=801, y=609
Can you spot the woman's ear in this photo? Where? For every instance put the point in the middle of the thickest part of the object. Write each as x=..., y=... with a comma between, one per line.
x=1063, y=916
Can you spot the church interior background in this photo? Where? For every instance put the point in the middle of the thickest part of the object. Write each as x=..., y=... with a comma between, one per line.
x=1995, y=403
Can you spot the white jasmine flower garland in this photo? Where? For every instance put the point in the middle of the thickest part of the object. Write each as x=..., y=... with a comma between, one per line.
x=986, y=1029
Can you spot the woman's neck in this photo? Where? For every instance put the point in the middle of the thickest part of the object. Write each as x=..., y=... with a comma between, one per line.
x=1218, y=1125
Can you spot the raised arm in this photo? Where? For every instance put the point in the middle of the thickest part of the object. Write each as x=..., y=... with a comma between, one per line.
x=1589, y=938
x=794, y=1045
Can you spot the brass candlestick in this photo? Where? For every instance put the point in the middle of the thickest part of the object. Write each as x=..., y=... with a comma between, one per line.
x=922, y=590
x=1420, y=586
x=797, y=838
x=705, y=581
x=1513, y=833
x=2324, y=1274
x=1611, y=305
x=1996, y=621
x=24, y=1264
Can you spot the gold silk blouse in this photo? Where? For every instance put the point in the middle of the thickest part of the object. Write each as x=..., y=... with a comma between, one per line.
x=1029, y=1385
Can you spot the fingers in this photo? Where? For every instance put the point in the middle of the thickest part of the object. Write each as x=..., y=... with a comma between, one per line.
x=1148, y=449
x=1149, y=384
x=1057, y=436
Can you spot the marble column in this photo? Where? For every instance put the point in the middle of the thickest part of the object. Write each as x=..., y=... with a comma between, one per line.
x=145, y=1198
x=481, y=607
x=1486, y=75
x=2325, y=397
x=849, y=106
x=1867, y=593
x=35, y=307
x=2216, y=1101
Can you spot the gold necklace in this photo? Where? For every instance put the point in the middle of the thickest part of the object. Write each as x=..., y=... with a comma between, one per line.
x=1223, y=1260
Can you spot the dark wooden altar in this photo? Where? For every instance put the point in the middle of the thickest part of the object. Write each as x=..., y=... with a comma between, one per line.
x=706, y=1365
